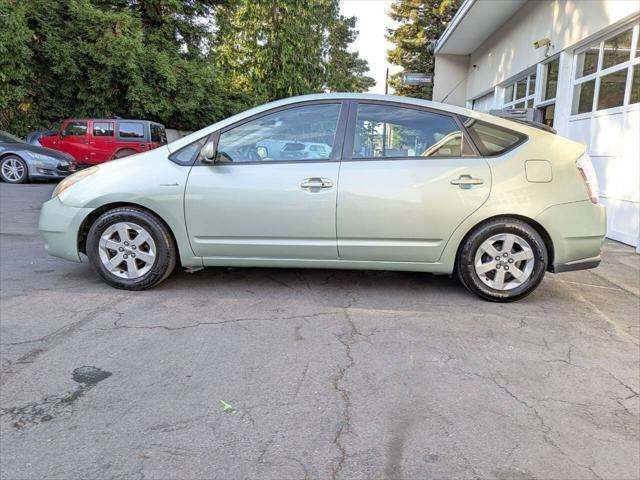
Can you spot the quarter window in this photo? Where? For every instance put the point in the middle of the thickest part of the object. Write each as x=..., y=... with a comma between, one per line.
x=76, y=129
x=158, y=134
x=384, y=131
x=605, y=73
x=130, y=130
x=286, y=135
x=496, y=140
x=102, y=129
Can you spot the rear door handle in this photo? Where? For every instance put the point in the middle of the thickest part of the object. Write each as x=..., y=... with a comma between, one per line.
x=466, y=181
x=315, y=184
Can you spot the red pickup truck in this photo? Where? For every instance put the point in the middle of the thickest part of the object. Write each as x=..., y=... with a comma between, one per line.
x=96, y=140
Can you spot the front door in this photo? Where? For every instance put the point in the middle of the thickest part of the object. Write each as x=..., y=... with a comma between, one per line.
x=259, y=200
x=102, y=141
x=408, y=179
x=74, y=140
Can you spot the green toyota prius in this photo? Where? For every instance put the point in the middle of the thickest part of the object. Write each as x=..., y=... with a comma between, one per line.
x=340, y=181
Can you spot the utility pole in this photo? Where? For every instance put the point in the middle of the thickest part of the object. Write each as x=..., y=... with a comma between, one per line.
x=384, y=125
x=386, y=82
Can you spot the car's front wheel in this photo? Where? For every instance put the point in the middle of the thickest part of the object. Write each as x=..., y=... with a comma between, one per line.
x=13, y=169
x=502, y=260
x=131, y=249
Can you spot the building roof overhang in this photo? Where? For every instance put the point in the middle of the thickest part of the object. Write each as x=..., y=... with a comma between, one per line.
x=473, y=23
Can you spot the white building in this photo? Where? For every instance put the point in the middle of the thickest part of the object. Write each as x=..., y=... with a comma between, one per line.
x=586, y=81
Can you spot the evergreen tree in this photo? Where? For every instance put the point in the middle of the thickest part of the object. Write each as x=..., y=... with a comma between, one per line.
x=345, y=70
x=421, y=22
x=271, y=49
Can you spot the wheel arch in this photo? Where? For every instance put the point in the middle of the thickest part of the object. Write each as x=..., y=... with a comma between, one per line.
x=93, y=216
x=123, y=149
x=548, y=243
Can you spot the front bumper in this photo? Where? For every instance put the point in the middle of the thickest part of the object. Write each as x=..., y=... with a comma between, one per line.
x=42, y=170
x=59, y=225
x=577, y=230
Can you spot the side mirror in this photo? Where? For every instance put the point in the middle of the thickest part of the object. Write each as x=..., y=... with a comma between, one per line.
x=208, y=152
x=61, y=134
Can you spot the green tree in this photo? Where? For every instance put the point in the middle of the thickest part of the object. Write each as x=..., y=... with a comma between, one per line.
x=271, y=49
x=420, y=23
x=15, y=107
x=345, y=70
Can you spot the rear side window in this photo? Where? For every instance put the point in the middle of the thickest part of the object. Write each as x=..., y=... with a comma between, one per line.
x=386, y=131
x=495, y=140
x=158, y=134
x=76, y=129
x=131, y=130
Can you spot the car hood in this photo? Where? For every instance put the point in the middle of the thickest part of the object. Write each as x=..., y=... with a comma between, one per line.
x=26, y=147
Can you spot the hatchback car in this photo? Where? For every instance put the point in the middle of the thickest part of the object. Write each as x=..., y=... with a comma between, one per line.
x=406, y=185
x=93, y=141
x=21, y=161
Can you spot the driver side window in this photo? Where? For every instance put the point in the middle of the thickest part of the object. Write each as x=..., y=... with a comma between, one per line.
x=303, y=133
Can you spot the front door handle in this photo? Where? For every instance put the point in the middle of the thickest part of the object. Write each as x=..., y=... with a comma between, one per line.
x=466, y=181
x=315, y=184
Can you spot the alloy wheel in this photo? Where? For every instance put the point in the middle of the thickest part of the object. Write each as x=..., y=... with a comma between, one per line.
x=127, y=250
x=504, y=261
x=13, y=169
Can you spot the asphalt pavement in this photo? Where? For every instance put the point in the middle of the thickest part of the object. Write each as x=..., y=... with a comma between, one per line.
x=311, y=374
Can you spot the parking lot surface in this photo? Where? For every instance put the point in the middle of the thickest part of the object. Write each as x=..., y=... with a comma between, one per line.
x=323, y=374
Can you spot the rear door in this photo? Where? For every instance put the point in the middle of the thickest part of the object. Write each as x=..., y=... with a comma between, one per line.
x=408, y=178
x=262, y=202
x=131, y=136
x=102, y=140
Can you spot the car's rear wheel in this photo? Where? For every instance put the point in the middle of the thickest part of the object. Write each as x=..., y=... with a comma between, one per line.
x=13, y=169
x=131, y=249
x=502, y=260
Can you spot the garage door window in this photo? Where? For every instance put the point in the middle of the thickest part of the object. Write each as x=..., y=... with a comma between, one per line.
x=605, y=73
x=520, y=94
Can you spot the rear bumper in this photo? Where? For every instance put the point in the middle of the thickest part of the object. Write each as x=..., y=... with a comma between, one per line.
x=59, y=225
x=583, y=264
x=577, y=230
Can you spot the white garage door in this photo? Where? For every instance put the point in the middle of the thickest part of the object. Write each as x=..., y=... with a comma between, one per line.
x=605, y=115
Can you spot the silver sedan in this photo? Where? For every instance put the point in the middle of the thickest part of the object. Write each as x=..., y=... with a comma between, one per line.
x=20, y=161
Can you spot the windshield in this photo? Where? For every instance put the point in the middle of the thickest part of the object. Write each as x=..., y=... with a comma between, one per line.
x=8, y=138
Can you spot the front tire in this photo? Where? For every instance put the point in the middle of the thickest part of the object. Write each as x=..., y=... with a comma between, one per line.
x=13, y=169
x=503, y=260
x=131, y=249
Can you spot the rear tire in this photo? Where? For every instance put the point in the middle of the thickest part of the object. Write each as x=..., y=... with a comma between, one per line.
x=13, y=169
x=131, y=249
x=503, y=260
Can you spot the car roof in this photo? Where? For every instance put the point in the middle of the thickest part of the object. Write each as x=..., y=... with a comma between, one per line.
x=109, y=120
x=409, y=101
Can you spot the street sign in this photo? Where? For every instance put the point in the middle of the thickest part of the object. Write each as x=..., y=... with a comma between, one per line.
x=417, y=78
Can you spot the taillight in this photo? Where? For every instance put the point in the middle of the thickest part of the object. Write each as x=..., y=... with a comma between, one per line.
x=589, y=176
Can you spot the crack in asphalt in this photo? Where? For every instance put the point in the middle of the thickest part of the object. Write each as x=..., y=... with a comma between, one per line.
x=347, y=339
x=117, y=325
x=545, y=428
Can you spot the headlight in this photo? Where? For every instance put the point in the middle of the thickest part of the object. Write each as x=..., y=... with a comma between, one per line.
x=73, y=179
